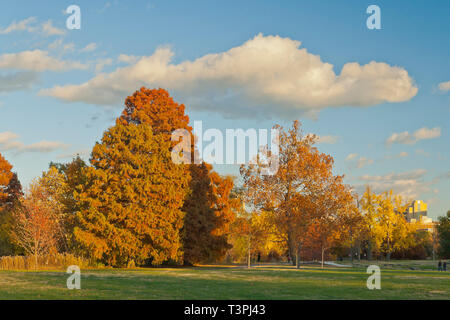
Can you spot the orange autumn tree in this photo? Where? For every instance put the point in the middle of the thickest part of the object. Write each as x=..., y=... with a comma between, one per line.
x=332, y=205
x=208, y=205
x=10, y=193
x=210, y=210
x=36, y=224
x=131, y=204
x=287, y=194
x=5, y=177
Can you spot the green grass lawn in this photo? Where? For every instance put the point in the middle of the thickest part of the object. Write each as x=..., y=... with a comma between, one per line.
x=265, y=282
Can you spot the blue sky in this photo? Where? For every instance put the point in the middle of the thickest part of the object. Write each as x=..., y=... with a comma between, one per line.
x=386, y=124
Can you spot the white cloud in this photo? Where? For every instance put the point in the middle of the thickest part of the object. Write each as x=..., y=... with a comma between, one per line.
x=83, y=153
x=328, y=139
x=23, y=25
x=36, y=60
x=351, y=156
x=420, y=134
x=69, y=47
x=362, y=162
x=18, y=81
x=358, y=162
x=90, y=47
x=9, y=142
x=422, y=152
x=56, y=44
x=43, y=146
x=7, y=136
x=129, y=59
x=29, y=25
x=444, y=86
x=101, y=63
x=410, y=184
x=266, y=74
x=49, y=29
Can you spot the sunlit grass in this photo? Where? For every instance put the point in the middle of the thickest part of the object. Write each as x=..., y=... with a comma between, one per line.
x=274, y=282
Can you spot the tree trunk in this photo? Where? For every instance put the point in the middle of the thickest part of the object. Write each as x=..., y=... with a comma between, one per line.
x=359, y=251
x=388, y=254
x=249, y=262
x=351, y=253
x=297, y=257
x=323, y=251
x=369, y=251
x=35, y=261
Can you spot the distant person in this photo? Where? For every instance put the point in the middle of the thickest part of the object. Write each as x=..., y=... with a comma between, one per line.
x=440, y=265
x=445, y=265
x=259, y=257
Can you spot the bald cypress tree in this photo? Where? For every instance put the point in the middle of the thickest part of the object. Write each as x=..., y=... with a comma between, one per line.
x=208, y=207
x=131, y=203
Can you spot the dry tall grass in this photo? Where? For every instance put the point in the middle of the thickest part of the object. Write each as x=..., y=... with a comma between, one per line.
x=49, y=261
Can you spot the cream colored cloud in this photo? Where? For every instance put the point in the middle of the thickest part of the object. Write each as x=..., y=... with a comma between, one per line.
x=23, y=25
x=408, y=138
x=410, y=184
x=444, y=86
x=356, y=162
x=101, y=63
x=9, y=142
x=90, y=47
x=48, y=29
x=351, y=156
x=30, y=25
x=266, y=74
x=328, y=139
x=36, y=60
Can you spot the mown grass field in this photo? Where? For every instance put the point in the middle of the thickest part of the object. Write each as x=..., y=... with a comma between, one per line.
x=267, y=282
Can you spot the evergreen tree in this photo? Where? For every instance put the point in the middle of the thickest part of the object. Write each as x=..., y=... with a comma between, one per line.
x=443, y=230
x=131, y=202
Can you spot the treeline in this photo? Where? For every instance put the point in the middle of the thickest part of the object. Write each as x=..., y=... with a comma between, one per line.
x=306, y=212
x=131, y=205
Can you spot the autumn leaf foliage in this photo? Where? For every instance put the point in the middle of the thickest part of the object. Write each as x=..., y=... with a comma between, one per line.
x=208, y=207
x=5, y=177
x=131, y=206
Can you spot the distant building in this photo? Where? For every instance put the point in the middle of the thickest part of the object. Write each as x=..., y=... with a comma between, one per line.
x=418, y=212
x=415, y=210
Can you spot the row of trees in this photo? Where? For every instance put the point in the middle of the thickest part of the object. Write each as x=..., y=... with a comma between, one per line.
x=304, y=206
x=132, y=205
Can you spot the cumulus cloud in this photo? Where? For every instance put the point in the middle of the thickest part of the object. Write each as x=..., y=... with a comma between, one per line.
x=17, y=81
x=23, y=25
x=408, y=138
x=9, y=142
x=83, y=153
x=101, y=63
x=129, y=59
x=36, y=60
x=29, y=25
x=266, y=74
x=444, y=86
x=89, y=48
x=409, y=184
x=327, y=139
x=49, y=29
x=356, y=162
